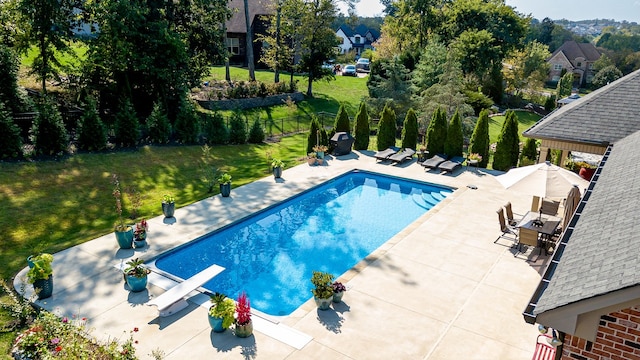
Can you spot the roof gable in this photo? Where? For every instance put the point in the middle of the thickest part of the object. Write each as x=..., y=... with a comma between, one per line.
x=574, y=50
x=237, y=23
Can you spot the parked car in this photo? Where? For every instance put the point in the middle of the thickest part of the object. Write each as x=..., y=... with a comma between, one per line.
x=362, y=65
x=349, y=70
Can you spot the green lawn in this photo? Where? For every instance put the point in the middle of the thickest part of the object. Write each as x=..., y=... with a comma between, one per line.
x=525, y=121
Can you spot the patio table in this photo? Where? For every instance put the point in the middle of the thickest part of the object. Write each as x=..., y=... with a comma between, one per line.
x=545, y=225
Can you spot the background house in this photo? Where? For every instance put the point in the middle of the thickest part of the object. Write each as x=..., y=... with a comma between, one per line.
x=574, y=57
x=259, y=12
x=358, y=39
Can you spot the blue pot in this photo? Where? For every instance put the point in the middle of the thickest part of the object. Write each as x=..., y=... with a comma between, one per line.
x=125, y=238
x=43, y=287
x=225, y=189
x=216, y=324
x=136, y=284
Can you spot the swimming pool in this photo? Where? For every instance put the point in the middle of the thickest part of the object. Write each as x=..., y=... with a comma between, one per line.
x=331, y=227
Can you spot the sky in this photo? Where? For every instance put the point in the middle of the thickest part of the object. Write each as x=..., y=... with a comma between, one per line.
x=554, y=9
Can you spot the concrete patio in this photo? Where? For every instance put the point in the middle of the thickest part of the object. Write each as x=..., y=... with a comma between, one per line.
x=440, y=289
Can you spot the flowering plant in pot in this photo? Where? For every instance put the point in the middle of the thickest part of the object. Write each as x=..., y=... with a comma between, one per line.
x=277, y=165
x=135, y=275
x=124, y=232
x=221, y=312
x=225, y=184
x=338, y=291
x=41, y=275
x=244, y=326
x=312, y=158
x=140, y=234
x=168, y=205
x=323, y=290
x=320, y=150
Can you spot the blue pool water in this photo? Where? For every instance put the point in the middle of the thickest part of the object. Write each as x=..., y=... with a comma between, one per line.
x=331, y=227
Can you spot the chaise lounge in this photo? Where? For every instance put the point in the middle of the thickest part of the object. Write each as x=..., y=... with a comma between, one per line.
x=385, y=154
x=451, y=165
x=403, y=155
x=434, y=161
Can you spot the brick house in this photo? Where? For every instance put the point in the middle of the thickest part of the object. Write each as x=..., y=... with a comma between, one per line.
x=358, y=39
x=590, y=292
x=574, y=57
x=259, y=12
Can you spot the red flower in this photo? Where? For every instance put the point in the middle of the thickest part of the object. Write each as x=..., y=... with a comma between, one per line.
x=58, y=348
x=135, y=329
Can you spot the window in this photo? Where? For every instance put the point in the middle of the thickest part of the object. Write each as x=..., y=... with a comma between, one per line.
x=579, y=64
x=358, y=39
x=590, y=66
x=557, y=67
x=233, y=45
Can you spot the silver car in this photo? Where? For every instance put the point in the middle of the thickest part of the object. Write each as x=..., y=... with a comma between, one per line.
x=349, y=70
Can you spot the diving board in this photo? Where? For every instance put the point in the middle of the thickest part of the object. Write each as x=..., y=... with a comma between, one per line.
x=172, y=300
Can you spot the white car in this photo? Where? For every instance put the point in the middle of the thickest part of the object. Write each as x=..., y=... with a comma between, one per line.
x=349, y=70
x=362, y=65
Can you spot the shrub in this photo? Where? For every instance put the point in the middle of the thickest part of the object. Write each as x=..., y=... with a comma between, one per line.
x=387, y=128
x=187, y=124
x=127, y=127
x=315, y=135
x=437, y=132
x=529, y=150
x=549, y=103
x=214, y=129
x=479, y=142
x=455, y=141
x=256, y=133
x=341, y=123
x=9, y=135
x=508, y=146
x=237, y=129
x=92, y=133
x=158, y=125
x=410, y=130
x=478, y=101
x=10, y=95
x=361, y=129
x=49, y=133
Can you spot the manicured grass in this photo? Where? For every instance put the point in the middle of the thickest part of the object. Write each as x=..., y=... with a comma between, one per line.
x=525, y=121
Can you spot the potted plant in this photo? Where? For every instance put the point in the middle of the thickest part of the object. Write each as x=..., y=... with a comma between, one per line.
x=277, y=165
x=221, y=312
x=136, y=275
x=338, y=291
x=140, y=234
x=124, y=233
x=320, y=150
x=41, y=275
x=244, y=326
x=168, y=205
x=225, y=184
x=322, y=291
x=312, y=158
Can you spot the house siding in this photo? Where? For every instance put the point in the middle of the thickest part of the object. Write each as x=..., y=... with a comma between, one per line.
x=618, y=338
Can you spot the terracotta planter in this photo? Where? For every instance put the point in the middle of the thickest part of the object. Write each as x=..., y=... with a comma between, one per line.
x=586, y=173
x=312, y=161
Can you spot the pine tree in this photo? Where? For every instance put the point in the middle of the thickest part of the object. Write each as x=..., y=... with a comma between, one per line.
x=454, y=143
x=437, y=132
x=215, y=130
x=480, y=138
x=387, y=128
x=315, y=135
x=508, y=146
x=187, y=125
x=529, y=150
x=9, y=135
x=51, y=136
x=127, y=128
x=410, y=130
x=341, y=123
x=92, y=133
x=361, y=130
x=237, y=129
x=256, y=133
x=158, y=125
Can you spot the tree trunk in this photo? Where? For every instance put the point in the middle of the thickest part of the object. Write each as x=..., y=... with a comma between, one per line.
x=309, y=83
x=276, y=75
x=250, y=64
x=227, y=73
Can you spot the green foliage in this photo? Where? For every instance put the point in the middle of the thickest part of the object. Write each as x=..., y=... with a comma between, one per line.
x=41, y=269
x=48, y=130
x=214, y=129
x=410, y=130
x=549, y=103
x=92, y=133
x=508, y=146
x=9, y=135
x=127, y=127
x=315, y=135
x=322, y=282
x=390, y=84
x=564, y=87
x=17, y=305
x=387, y=128
x=135, y=267
x=478, y=101
x=437, y=132
x=361, y=129
x=256, y=133
x=224, y=308
x=237, y=129
x=605, y=76
x=430, y=66
x=479, y=143
x=158, y=125
x=10, y=95
x=224, y=179
x=277, y=163
x=341, y=123
x=529, y=151
x=187, y=124
x=208, y=172
x=453, y=144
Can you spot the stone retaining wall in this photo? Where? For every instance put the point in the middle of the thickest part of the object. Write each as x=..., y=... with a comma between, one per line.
x=234, y=104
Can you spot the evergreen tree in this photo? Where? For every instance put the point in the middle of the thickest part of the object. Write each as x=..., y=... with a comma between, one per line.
x=529, y=150
x=9, y=67
x=341, y=123
x=508, y=146
x=256, y=133
x=565, y=85
x=479, y=143
x=92, y=132
x=410, y=130
x=158, y=125
x=455, y=141
x=9, y=135
x=237, y=129
x=387, y=128
x=315, y=135
x=50, y=135
x=215, y=130
x=127, y=128
x=437, y=132
x=187, y=124
x=361, y=129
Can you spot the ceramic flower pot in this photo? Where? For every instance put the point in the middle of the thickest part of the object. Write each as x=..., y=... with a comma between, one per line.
x=125, y=238
x=244, y=331
x=136, y=284
x=225, y=189
x=139, y=243
x=337, y=297
x=168, y=209
x=323, y=304
x=43, y=287
x=277, y=172
x=216, y=323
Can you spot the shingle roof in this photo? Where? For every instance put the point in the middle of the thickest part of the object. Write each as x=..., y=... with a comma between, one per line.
x=237, y=23
x=602, y=254
x=601, y=117
x=573, y=50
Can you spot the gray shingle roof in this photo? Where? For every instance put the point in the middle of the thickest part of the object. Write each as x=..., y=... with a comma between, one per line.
x=573, y=50
x=602, y=254
x=601, y=117
x=237, y=23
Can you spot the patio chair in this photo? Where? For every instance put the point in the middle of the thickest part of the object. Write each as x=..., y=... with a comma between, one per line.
x=549, y=207
x=507, y=208
x=434, y=161
x=506, y=229
x=384, y=154
x=543, y=350
x=403, y=155
x=528, y=237
x=451, y=165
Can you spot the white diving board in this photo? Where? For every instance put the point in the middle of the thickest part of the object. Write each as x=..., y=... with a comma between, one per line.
x=172, y=300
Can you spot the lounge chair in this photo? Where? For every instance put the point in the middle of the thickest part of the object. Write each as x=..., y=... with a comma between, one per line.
x=434, y=161
x=402, y=155
x=451, y=165
x=384, y=154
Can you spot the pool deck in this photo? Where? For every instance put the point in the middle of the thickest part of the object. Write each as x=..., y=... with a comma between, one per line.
x=440, y=289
